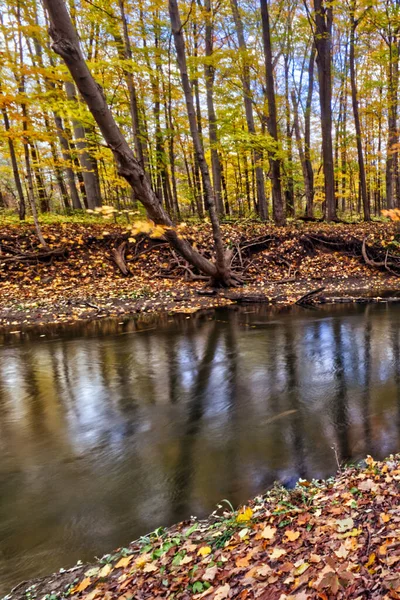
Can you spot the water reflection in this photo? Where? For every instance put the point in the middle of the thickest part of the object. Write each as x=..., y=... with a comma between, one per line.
x=112, y=429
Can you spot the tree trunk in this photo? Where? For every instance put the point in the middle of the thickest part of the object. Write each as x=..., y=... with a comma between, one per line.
x=307, y=135
x=357, y=123
x=393, y=82
x=66, y=154
x=85, y=160
x=308, y=185
x=176, y=24
x=66, y=44
x=274, y=160
x=248, y=107
x=212, y=119
x=14, y=164
x=133, y=104
x=323, y=17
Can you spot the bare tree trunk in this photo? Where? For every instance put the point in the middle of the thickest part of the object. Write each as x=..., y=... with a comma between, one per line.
x=248, y=107
x=176, y=24
x=25, y=140
x=307, y=135
x=66, y=44
x=14, y=164
x=357, y=123
x=308, y=185
x=274, y=160
x=323, y=17
x=289, y=191
x=66, y=154
x=212, y=119
x=133, y=105
x=40, y=186
x=85, y=160
x=393, y=82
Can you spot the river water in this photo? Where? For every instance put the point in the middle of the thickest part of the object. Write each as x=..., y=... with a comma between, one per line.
x=111, y=429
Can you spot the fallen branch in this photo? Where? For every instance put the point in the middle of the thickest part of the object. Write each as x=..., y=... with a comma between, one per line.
x=34, y=256
x=304, y=300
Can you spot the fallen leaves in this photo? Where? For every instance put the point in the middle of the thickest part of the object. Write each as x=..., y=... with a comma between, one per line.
x=268, y=532
x=292, y=535
x=204, y=551
x=38, y=292
x=277, y=553
x=345, y=524
x=245, y=515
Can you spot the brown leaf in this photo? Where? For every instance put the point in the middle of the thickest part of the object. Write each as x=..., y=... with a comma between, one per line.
x=222, y=592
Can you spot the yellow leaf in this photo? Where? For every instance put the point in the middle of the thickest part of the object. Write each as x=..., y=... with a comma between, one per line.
x=371, y=560
x=302, y=568
x=204, y=551
x=123, y=562
x=142, y=560
x=353, y=533
x=292, y=535
x=105, y=571
x=245, y=515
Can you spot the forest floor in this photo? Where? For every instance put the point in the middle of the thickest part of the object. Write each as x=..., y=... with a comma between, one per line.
x=322, y=540
x=78, y=278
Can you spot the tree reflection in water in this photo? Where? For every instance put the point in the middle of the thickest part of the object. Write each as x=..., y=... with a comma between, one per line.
x=108, y=430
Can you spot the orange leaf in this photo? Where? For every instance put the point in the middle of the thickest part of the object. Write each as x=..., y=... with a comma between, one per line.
x=292, y=535
x=83, y=585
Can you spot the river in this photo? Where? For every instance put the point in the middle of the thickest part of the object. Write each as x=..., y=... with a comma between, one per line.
x=112, y=428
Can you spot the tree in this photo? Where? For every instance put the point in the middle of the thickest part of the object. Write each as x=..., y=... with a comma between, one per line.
x=321, y=21
x=275, y=162
x=248, y=106
x=356, y=113
x=66, y=44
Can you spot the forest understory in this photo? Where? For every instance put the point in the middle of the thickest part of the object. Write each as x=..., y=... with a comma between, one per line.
x=96, y=270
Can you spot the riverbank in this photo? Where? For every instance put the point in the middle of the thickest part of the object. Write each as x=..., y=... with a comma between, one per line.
x=79, y=280
x=334, y=539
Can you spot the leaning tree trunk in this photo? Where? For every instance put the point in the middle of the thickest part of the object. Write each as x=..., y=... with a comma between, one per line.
x=66, y=44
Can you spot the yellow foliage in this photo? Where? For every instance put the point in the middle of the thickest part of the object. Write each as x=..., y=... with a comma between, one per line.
x=393, y=214
x=245, y=515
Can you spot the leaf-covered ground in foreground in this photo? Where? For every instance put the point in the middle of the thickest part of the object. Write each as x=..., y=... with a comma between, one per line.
x=323, y=540
x=83, y=282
